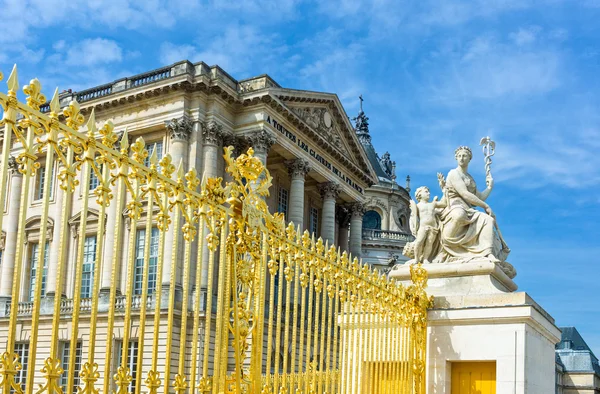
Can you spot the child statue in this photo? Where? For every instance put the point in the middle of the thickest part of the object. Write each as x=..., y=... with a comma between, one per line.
x=425, y=226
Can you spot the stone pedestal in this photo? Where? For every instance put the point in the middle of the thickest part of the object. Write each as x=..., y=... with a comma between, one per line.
x=474, y=277
x=477, y=317
x=510, y=329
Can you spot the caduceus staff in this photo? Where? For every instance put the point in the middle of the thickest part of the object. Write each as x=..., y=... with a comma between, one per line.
x=489, y=150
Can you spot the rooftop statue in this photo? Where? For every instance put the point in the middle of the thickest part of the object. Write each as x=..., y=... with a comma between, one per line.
x=465, y=233
x=389, y=166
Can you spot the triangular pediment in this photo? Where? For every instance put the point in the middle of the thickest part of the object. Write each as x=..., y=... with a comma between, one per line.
x=321, y=120
x=324, y=115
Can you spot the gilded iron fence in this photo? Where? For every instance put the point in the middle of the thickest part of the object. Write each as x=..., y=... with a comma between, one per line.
x=227, y=299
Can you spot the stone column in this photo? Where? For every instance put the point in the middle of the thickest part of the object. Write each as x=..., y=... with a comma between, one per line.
x=261, y=141
x=329, y=192
x=179, y=131
x=10, y=244
x=357, y=211
x=297, y=169
x=212, y=138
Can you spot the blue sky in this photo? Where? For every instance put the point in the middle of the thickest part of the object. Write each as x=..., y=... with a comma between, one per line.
x=434, y=75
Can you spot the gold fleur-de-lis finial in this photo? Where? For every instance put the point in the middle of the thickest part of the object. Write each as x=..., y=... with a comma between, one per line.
x=73, y=115
x=166, y=166
x=139, y=150
x=35, y=97
x=109, y=137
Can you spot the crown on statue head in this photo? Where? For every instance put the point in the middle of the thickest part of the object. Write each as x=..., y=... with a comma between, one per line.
x=465, y=148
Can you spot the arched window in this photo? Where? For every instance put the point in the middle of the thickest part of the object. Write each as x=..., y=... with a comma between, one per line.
x=372, y=220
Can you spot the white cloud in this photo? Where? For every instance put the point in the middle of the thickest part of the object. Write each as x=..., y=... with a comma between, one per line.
x=171, y=53
x=488, y=69
x=236, y=50
x=94, y=51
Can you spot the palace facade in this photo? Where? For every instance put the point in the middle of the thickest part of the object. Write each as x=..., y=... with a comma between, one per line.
x=327, y=178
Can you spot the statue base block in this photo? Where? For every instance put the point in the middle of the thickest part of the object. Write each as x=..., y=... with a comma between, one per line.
x=460, y=279
x=510, y=331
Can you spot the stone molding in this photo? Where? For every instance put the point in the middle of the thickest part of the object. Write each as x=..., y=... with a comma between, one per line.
x=329, y=190
x=260, y=140
x=33, y=226
x=297, y=168
x=212, y=133
x=179, y=129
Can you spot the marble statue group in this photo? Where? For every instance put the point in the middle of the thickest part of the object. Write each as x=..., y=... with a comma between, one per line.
x=453, y=229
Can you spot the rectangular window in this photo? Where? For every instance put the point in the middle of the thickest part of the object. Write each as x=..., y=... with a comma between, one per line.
x=150, y=147
x=89, y=261
x=313, y=222
x=22, y=350
x=282, y=202
x=33, y=262
x=139, y=261
x=40, y=180
x=64, y=357
x=94, y=181
x=131, y=362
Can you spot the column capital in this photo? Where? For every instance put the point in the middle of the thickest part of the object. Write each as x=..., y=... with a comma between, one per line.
x=261, y=140
x=357, y=210
x=212, y=133
x=329, y=190
x=229, y=139
x=297, y=168
x=179, y=129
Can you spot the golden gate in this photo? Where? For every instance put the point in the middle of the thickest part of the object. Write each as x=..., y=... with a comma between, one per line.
x=262, y=307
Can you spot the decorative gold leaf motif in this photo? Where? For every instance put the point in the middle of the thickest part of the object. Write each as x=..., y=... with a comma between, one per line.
x=52, y=371
x=153, y=381
x=89, y=375
x=9, y=367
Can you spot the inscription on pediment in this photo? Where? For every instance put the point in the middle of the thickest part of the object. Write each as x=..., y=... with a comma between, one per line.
x=320, y=120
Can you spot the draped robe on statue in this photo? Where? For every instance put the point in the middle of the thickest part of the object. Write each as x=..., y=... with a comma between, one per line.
x=474, y=237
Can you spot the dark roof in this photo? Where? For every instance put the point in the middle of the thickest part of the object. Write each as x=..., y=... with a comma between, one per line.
x=576, y=340
x=575, y=354
x=374, y=159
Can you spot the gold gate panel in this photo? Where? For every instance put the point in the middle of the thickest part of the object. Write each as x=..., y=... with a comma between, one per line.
x=222, y=297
